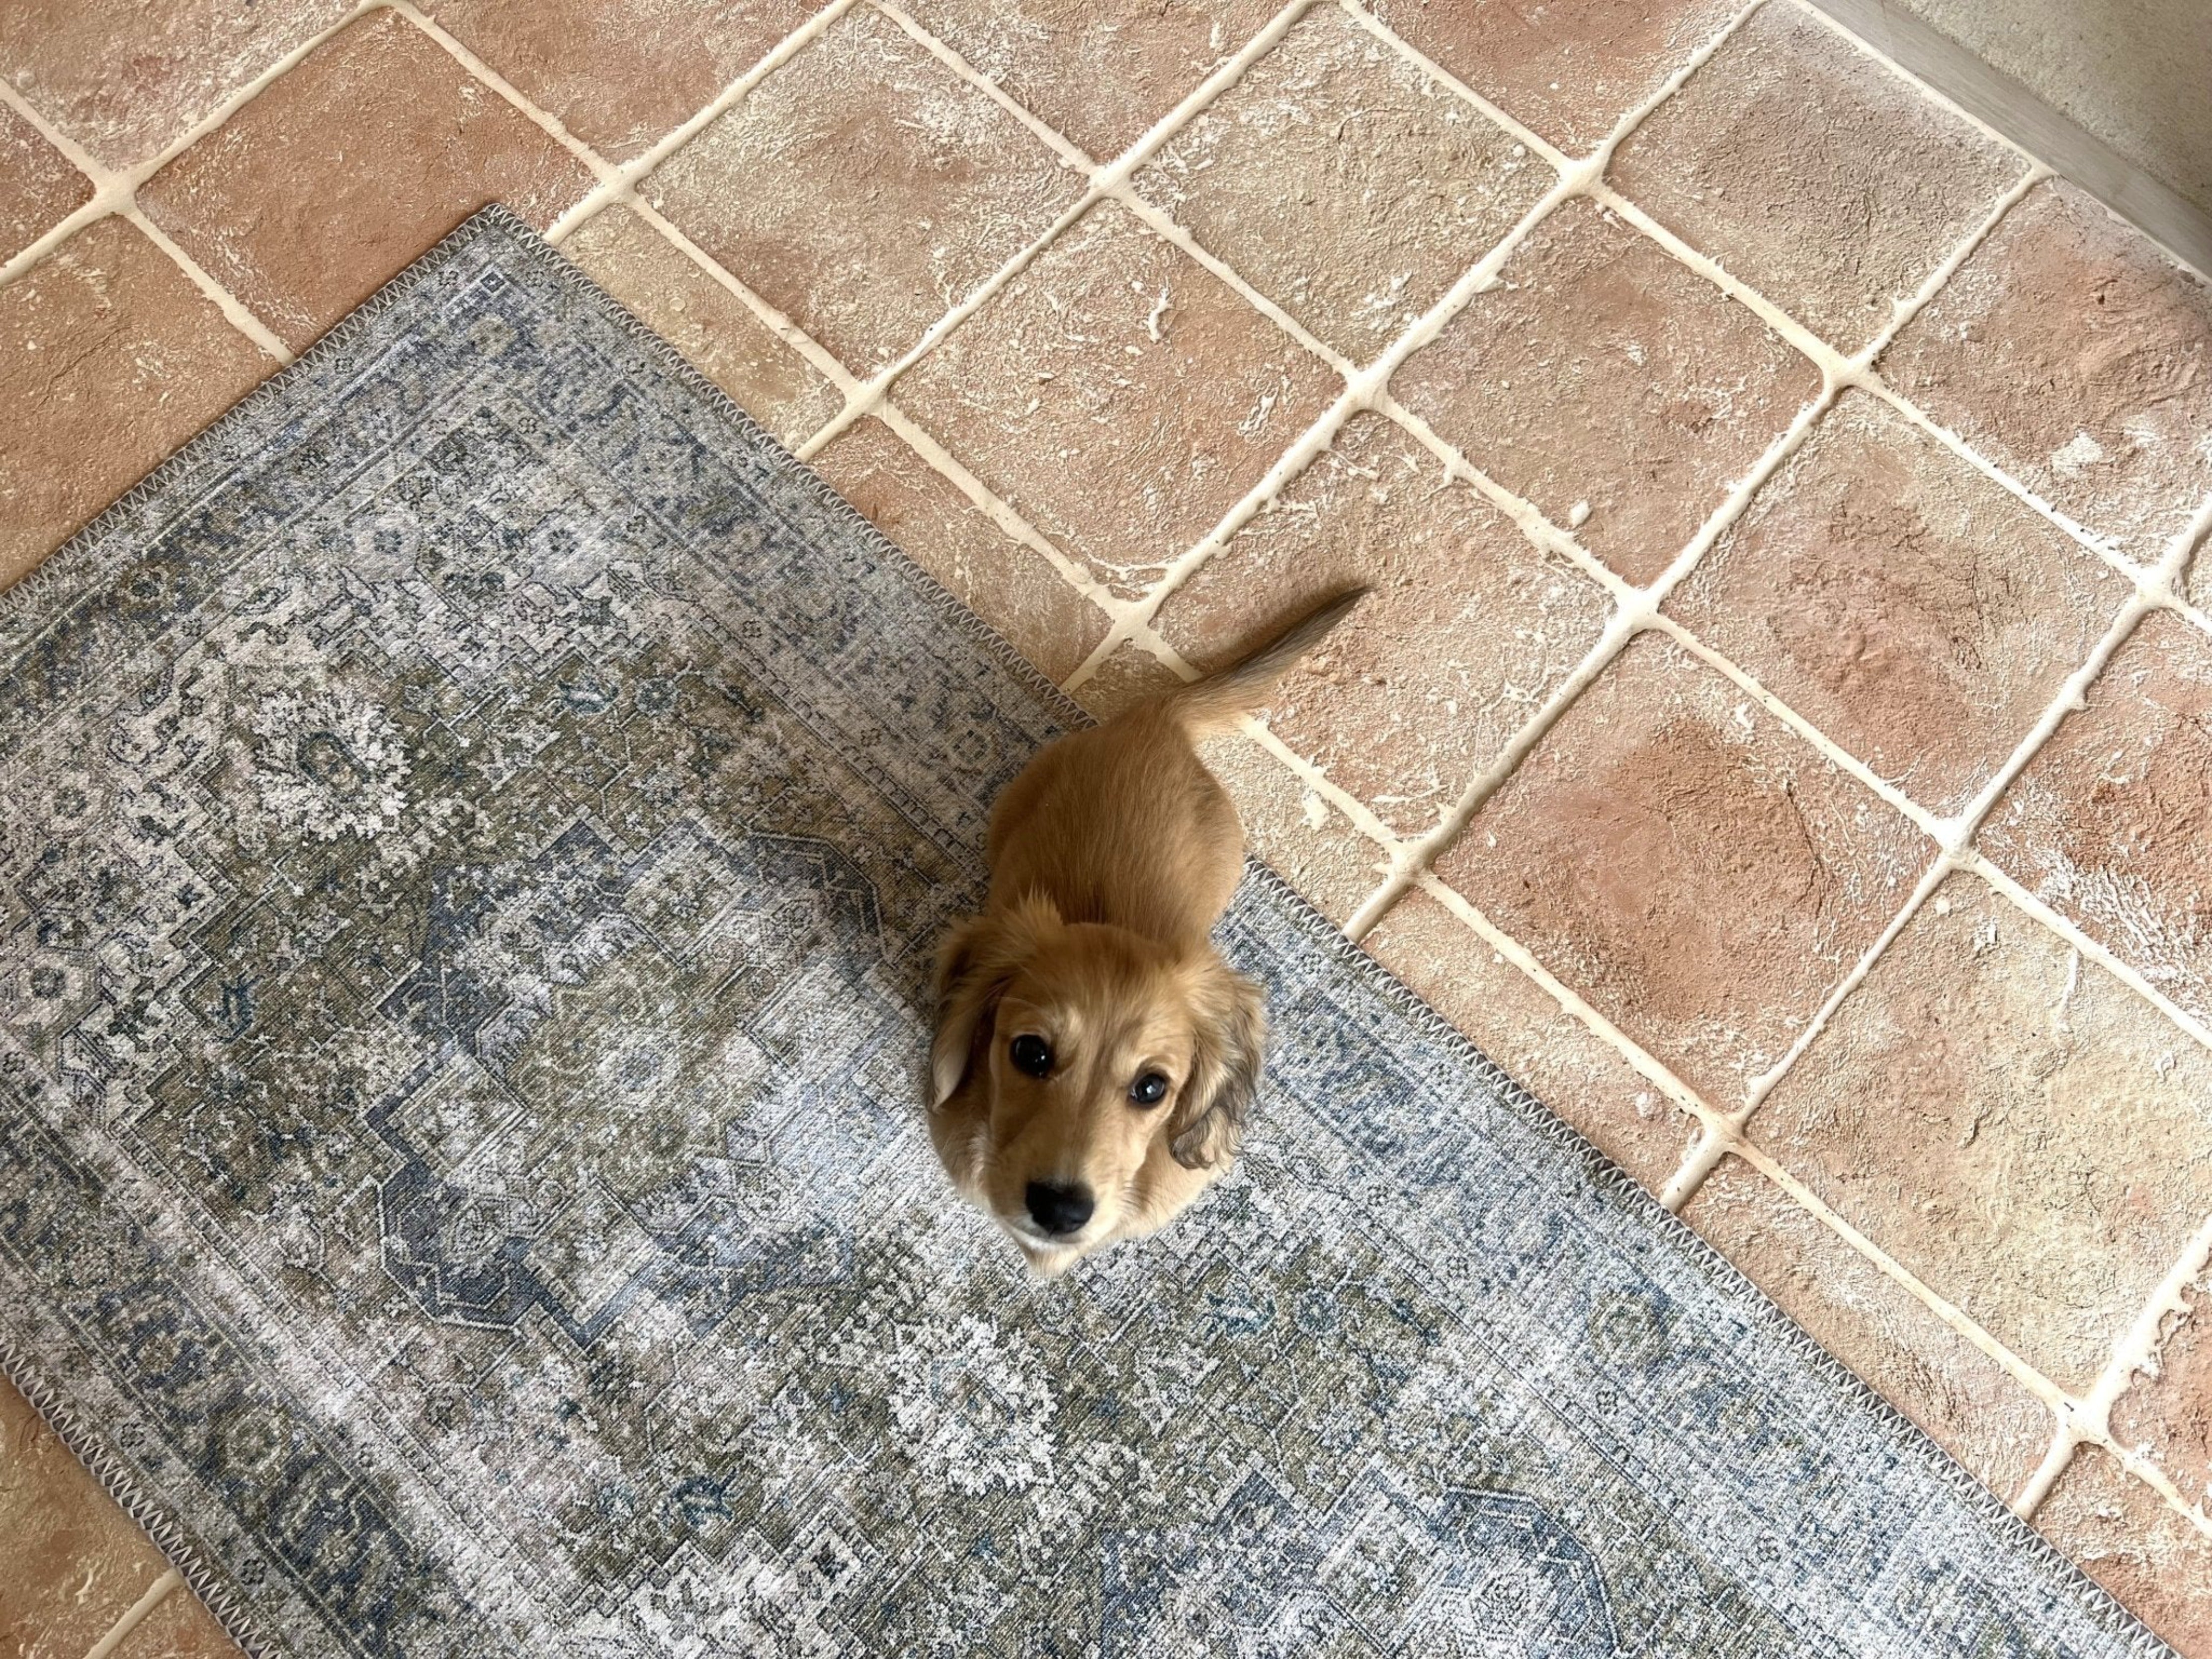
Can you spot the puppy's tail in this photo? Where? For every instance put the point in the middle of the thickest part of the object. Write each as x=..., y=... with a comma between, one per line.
x=1213, y=704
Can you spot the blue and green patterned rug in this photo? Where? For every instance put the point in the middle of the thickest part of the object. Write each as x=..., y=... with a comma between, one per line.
x=477, y=824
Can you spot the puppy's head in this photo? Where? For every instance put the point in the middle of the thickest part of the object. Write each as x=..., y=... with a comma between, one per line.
x=1104, y=1077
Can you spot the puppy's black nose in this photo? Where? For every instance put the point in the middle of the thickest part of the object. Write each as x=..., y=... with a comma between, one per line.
x=1059, y=1209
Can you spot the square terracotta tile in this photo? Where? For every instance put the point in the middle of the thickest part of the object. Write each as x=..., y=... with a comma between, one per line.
x=1344, y=183
x=1815, y=174
x=1518, y=1024
x=620, y=74
x=2155, y=1562
x=126, y=79
x=2110, y=824
x=1603, y=381
x=1568, y=73
x=2026, y=1134
x=2072, y=352
x=1967, y=1403
x=711, y=327
x=1012, y=586
x=1911, y=610
x=178, y=1627
x=109, y=359
x=309, y=198
x=1679, y=858
x=1290, y=828
x=1099, y=72
x=1118, y=395
x=38, y=186
x=864, y=189
x=1470, y=629
x=2166, y=1412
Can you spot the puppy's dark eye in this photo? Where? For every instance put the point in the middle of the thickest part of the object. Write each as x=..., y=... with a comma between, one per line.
x=1149, y=1090
x=1031, y=1055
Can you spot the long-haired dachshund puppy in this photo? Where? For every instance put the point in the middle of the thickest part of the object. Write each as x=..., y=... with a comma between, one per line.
x=1095, y=1057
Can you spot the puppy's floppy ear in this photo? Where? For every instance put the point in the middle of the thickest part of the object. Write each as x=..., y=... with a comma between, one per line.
x=1229, y=1018
x=974, y=965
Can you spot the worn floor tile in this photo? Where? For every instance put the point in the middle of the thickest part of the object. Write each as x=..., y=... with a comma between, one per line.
x=1012, y=586
x=1517, y=1024
x=2111, y=822
x=293, y=205
x=75, y=1563
x=864, y=189
x=1968, y=1403
x=1604, y=382
x=2166, y=1412
x=126, y=79
x=1099, y=72
x=1567, y=72
x=1119, y=396
x=178, y=1627
x=1813, y=173
x=109, y=359
x=2029, y=1136
x=1343, y=184
x=1129, y=674
x=38, y=186
x=1468, y=629
x=1293, y=831
x=620, y=74
x=2125, y=1537
x=2071, y=351
x=1911, y=610
x=1681, y=860
x=711, y=327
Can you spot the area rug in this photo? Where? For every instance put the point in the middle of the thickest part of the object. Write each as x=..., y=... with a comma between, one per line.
x=476, y=822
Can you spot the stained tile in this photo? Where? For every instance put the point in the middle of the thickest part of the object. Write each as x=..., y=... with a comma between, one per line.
x=1567, y=72
x=620, y=74
x=2076, y=355
x=2155, y=1563
x=864, y=189
x=1520, y=1026
x=1119, y=396
x=109, y=359
x=1344, y=183
x=1968, y=1403
x=1099, y=72
x=2110, y=824
x=1911, y=610
x=2166, y=1411
x=178, y=1627
x=1603, y=381
x=711, y=327
x=1468, y=630
x=1682, y=860
x=2017, y=1128
x=1012, y=586
x=1812, y=173
x=293, y=205
x=125, y=79
x=38, y=186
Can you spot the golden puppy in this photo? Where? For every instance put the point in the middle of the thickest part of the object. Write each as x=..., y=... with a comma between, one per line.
x=1095, y=1057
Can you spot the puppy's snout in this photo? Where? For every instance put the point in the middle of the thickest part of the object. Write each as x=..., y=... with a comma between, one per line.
x=1059, y=1209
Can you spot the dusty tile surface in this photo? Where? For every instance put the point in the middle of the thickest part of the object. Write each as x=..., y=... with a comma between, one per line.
x=1969, y=1403
x=2124, y=1534
x=1291, y=829
x=2024, y=1132
x=711, y=327
x=1345, y=183
x=1519, y=1024
x=2076, y=355
x=1915, y=611
x=620, y=75
x=1813, y=173
x=1468, y=629
x=1608, y=385
x=38, y=186
x=2166, y=1412
x=863, y=189
x=1682, y=860
x=1119, y=396
x=2110, y=823
x=289, y=203
x=178, y=1627
x=109, y=359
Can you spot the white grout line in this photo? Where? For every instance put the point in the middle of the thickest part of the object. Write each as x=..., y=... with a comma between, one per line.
x=170, y=1584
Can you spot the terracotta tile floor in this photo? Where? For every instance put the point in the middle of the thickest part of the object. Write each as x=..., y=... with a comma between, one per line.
x=1782, y=734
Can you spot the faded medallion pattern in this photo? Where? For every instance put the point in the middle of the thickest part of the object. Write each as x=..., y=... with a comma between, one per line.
x=475, y=825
